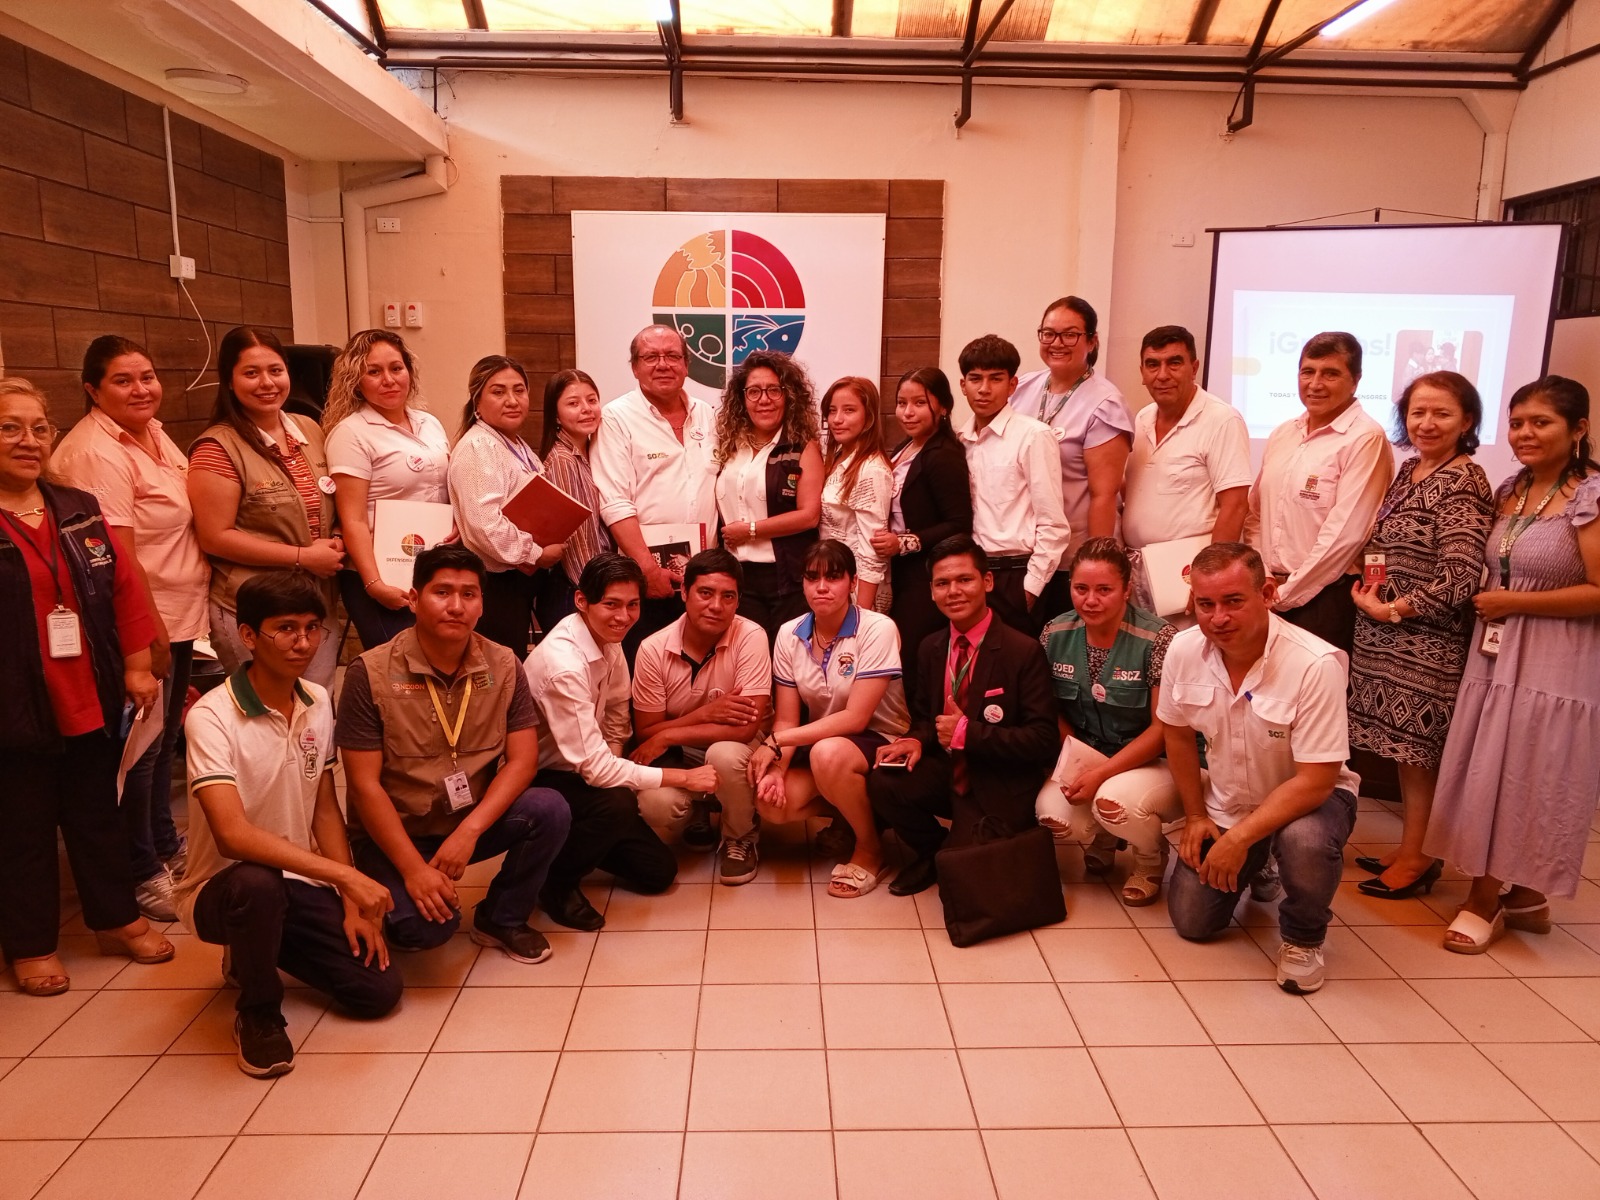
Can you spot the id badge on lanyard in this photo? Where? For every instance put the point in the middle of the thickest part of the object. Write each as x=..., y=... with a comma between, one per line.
x=62, y=629
x=457, y=788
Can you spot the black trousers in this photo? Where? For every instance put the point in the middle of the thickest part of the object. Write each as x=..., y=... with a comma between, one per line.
x=913, y=612
x=553, y=597
x=269, y=921
x=769, y=599
x=75, y=790
x=1330, y=614
x=508, y=598
x=607, y=832
x=1010, y=600
x=653, y=615
x=375, y=623
x=909, y=802
x=1055, y=599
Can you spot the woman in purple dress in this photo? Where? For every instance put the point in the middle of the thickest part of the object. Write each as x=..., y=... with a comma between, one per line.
x=1518, y=784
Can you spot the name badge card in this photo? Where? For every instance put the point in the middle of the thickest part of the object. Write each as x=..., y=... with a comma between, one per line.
x=64, y=633
x=1490, y=642
x=458, y=791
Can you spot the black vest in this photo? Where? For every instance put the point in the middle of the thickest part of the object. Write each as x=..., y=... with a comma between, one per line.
x=783, y=496
x=89, y=553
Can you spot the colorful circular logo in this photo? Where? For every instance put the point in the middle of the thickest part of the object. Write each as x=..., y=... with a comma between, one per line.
x=412, y=544
x=727, y=304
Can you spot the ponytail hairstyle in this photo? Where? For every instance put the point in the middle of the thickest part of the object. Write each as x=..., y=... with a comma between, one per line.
x=485, y=369
x=1104, y=550
x=936, y=384
x=97, y=361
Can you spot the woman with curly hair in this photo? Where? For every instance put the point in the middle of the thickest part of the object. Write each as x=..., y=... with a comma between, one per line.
x=382, y=445
x=769, y=489
x=858, y=484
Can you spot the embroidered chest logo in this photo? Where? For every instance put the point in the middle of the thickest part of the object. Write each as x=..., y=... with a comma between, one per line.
x=655, y=454
x=1280, y=734
x=99, y=552
x=308, y=750
x=847, y=665
x=1119, y=675
x=1311, y=491
x=1064, y=670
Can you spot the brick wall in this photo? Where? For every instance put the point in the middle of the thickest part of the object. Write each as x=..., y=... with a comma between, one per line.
x=537, y=212
x=85, y=231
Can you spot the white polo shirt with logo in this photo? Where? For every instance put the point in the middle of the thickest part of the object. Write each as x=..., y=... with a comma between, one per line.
x=1171, y=487
x=867, y=647
x=276, y=765
x=409, y=461
x=1289, y=708
x=643, y=471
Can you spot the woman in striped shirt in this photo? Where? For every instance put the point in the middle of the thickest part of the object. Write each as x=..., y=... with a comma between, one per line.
x=261, y=493
x=571, y=415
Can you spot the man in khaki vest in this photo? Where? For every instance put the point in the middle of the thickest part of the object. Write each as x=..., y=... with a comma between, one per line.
x=437, y=732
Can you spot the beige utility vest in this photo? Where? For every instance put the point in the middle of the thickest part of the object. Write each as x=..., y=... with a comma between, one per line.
x=269, y=506
x=416, y=754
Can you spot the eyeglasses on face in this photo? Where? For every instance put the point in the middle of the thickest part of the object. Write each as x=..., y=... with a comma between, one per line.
x=1067, y=337
x=659, y=356
x=773, y=392
x=285, y=639
x=11, y=432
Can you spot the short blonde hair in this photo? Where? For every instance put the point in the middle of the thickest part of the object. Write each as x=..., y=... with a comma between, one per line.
x=17, y=386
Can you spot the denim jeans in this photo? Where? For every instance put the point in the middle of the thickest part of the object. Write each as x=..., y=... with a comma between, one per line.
x=530, y=833
x=1310, y=852
x=147, y=790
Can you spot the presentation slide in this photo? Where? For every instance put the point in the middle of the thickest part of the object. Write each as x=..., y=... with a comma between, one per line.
x=1469, y=298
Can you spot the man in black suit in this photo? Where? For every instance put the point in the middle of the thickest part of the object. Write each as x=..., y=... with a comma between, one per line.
x=983, y=722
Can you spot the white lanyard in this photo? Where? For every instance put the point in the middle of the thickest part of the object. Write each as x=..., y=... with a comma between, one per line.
x=1044, y=396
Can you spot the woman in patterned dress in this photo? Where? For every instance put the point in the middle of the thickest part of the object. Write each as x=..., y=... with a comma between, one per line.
x=1412, y=629
x=1517, y=786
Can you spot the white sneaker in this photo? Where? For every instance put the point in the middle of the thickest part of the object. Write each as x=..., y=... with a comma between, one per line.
x=154, y=897
x=1300, y=968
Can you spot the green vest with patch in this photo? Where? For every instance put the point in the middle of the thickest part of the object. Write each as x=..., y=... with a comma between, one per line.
x=1110, y=723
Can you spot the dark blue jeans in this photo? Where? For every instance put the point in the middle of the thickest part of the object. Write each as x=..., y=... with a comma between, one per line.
x=530, y=833
x=1310, y=851
x=147, y=790
x=375, y=624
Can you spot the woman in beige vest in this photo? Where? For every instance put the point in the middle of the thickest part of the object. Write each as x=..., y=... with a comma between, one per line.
x=262, y=496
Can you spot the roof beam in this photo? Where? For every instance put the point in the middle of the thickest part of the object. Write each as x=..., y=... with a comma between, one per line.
x=671, y=31
x=1541, y=39
x=844, y=15
x=971, y=48
x=1200, y=26
x=476, y=18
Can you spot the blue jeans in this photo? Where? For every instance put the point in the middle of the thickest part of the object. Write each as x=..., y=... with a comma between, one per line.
x=530, y=833
x=147, y=791
x=1310, y=852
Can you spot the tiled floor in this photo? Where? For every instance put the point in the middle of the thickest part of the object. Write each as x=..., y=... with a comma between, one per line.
x=770, y=1041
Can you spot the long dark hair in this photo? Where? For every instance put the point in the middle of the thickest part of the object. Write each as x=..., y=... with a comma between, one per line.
x=485, y=369
x=98, y=357
x=558, y=383
x=1466, y=396
x=1570, y=399
x=937, y=384
x=227, y=410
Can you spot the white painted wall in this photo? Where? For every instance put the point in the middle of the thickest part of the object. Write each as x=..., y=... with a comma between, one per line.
x=1555, y=135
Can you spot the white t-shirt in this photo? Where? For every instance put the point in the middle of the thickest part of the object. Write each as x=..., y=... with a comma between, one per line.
x=410, y=461
x=1289, y=708
x=867, y=647
x=276, y=765
x=1171, y=486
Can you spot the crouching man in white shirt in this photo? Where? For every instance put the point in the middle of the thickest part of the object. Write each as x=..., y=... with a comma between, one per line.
x=1270, y=699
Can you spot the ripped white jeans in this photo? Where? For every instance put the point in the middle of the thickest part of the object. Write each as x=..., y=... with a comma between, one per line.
x=1131, y=806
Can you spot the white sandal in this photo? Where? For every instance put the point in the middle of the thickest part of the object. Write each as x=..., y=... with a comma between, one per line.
x=849, y=875
x=1480, y=934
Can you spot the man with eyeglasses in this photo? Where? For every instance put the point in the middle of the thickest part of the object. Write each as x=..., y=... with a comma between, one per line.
x=439, y=738
x=653, y=465
x=269, y=873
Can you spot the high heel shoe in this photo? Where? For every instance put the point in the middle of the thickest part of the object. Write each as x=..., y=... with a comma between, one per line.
x=52, y=980
x=148, y=947
x=1372, y=864
x=1422, y=883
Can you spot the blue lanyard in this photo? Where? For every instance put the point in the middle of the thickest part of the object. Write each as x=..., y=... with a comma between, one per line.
x=517, y=450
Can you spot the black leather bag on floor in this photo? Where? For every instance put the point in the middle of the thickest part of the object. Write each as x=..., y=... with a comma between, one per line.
x=996, y=882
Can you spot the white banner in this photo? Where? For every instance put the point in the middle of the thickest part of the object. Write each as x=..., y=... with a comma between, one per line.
x=808, y=284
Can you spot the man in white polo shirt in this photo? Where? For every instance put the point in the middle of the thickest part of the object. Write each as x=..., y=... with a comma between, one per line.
x=702, y=691
x=1270, y=699
x=653, y=465
x=269, y=873
x=1189, y=473
x=1313, y=505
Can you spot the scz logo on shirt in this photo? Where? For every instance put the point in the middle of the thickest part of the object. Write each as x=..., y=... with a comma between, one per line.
x=1119, y=675
x=1280, y=734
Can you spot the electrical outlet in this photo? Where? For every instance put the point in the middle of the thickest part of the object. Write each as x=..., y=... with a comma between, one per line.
x=388, y=224
x=391, y=316
x=413, y=315
x=180, y=266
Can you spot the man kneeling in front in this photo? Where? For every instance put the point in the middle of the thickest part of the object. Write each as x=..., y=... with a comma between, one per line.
x=1270, y=699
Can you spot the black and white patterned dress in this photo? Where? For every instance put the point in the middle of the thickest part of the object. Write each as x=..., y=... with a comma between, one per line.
x=1403, y=678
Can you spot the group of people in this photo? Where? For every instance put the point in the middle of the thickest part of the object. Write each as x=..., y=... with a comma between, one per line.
x=951, y=633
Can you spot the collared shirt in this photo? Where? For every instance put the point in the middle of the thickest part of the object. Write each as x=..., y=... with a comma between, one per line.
x=276, y=764
x=485, y=472
x=974, y=636
x=1314, y=503
x=854, y=518
x=1289, y=708
x=742, y=497
x=150, y=495
x=208, y=455
x=581, y=690
x=568, y=468
x=1016, y=492
x=1171, y=487
x=867, y=646
x=643, y=471
x=407, y=461
x=903, y=458
x=1094, y=414
x=665, y=681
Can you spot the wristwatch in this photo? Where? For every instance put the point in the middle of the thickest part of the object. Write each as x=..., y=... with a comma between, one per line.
x=1394, y=614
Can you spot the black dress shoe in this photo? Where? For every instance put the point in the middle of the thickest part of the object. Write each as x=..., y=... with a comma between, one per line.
x=573, y=910
x=1371, y=865
x=1422, y=883
x=919, y=876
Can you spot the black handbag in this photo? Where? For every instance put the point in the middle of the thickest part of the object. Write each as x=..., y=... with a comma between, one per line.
x=998, y=882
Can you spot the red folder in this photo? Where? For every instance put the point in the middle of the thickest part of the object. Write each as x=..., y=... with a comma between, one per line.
x=545, y=512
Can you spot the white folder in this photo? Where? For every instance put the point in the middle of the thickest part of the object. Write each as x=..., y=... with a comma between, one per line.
x=1166, y=568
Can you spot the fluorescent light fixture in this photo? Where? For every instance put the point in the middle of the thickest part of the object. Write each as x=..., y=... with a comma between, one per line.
x=1340, y=26
x=212, y=83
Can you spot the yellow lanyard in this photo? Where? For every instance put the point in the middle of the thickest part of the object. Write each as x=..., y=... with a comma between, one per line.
x=451, y=736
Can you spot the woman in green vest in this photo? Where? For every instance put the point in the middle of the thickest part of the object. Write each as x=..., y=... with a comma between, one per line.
x=1110, y=787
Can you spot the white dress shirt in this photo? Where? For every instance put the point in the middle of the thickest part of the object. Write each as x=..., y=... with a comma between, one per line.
x=643, y=471
x=581, y=690
x=853, y=519
x=1313, y=504
x=1289, y=708
x=1172, y=485
x=486, y=470
x=407, y=461
x=1016, y=492
x=742, y=497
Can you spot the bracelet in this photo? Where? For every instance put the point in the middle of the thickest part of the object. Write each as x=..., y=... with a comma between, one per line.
x=297, y=550
x=771, y=743
x=367, y=585
x=752, y=529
